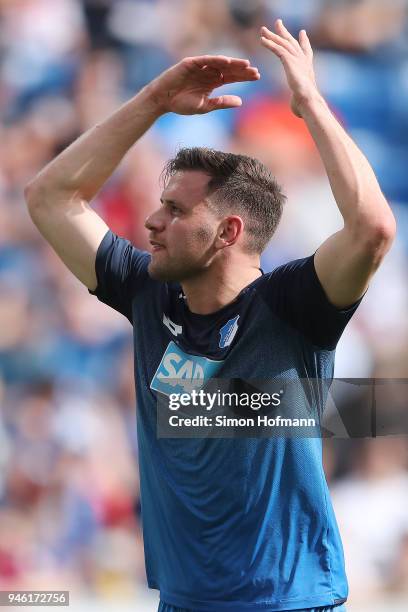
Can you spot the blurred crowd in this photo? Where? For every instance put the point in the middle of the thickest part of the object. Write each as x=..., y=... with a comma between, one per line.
x=69, y=495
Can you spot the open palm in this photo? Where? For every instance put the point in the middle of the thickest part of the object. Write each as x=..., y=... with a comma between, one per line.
x=297, y=60
x=186, y=88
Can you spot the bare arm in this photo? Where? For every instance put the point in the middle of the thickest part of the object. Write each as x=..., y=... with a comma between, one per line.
x=346, y=261
x=58, y=198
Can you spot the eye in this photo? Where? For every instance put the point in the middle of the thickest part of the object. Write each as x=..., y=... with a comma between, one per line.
x=171, y=207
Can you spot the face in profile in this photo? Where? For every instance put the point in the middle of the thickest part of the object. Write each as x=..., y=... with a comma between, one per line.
x=183, y=230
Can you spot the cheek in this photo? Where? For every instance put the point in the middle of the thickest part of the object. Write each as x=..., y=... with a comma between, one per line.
x=185, y=238
x=204, y=235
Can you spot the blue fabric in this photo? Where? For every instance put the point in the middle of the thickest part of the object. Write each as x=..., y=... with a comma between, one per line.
x=163, y=607
x=235, y=524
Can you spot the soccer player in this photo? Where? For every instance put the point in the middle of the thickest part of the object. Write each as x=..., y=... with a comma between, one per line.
x=229, y=524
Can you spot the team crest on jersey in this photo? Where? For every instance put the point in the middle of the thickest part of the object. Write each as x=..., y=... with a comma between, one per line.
x=228, y=331
x=180, y=372
x=173, y=327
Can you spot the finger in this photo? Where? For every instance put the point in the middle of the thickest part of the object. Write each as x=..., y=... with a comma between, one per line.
x=278, y=50
x=284, y=32
x=277, y=39
x=218, y=61
x=220, y=102
x=240, y=78
x=218, y=77
x=305, y=43
x=248, y=74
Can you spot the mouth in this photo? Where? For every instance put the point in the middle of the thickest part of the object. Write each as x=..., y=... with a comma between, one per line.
x=156, y=246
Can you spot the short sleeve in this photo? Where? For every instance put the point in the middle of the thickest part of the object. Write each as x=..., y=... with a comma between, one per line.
x=293, y=291
x=121, y=271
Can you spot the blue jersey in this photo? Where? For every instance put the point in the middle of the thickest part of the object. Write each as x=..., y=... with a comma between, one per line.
x=235, y=524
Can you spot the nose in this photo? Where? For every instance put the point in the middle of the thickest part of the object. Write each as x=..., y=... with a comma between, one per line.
x=155, y=221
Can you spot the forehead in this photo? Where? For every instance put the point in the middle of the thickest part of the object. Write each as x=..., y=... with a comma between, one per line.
x=188, y=187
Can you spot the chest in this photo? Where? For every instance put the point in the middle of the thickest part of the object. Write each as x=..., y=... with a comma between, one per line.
x=175, y=353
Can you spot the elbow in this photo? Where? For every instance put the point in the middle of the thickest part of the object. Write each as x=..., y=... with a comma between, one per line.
x=385, y=231
x=32, y=198
x=34, y=194
x=377, y=238
x=39, y=194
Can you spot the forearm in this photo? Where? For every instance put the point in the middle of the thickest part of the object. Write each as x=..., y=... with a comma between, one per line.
x=346, y=261
x=81, y=169
x=353, y=182
x=185, y=88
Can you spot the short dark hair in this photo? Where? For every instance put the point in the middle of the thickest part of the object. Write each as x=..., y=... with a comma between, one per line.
x=239, y=185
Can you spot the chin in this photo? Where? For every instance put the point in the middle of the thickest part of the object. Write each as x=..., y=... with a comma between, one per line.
x=169, y=273
x=161, y=273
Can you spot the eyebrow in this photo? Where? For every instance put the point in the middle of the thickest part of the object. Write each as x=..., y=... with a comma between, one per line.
x=172, y=202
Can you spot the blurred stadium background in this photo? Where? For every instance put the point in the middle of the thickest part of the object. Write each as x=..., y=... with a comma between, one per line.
x=69, y=496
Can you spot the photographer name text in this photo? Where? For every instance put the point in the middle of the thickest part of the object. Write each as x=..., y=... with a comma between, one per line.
x=223, y=421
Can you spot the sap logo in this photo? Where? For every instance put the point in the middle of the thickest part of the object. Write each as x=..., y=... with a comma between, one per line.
x=180, y=372
x=173, y=327
x=228, y=331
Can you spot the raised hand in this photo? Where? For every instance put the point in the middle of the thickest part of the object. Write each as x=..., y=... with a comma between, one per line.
x=186, y=87
x=297, y=60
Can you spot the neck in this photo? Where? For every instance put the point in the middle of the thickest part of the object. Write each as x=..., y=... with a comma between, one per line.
x=218, y=286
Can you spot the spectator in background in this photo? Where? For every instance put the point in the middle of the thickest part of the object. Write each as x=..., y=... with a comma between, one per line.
x=376, y=530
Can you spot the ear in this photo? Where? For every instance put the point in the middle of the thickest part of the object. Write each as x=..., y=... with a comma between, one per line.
x=230, y=230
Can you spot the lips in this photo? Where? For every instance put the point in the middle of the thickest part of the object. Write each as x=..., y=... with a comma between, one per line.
x=156, y=246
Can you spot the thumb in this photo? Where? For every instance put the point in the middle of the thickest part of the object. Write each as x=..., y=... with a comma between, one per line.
x=221, y=102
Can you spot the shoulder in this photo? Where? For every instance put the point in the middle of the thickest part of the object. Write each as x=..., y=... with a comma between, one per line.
x=119, y=253
x=121, y=272
x=293, y=277
x=294, y=293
